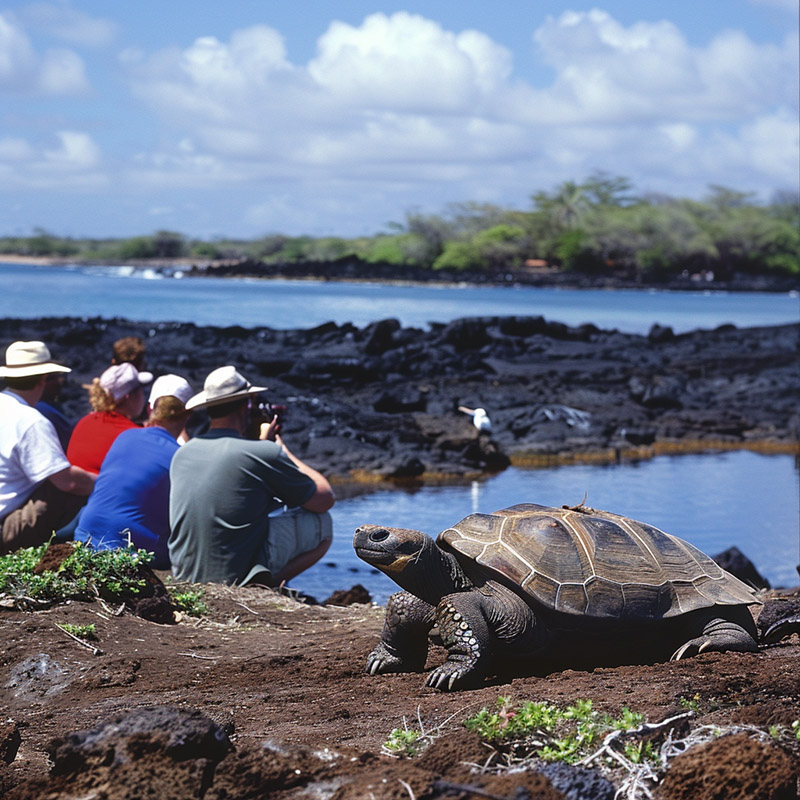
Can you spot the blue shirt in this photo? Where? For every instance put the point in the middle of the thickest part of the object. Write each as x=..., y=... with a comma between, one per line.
x=62, y=425
x=132, y=492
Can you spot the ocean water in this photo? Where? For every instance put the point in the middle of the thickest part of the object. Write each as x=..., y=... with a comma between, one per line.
x=29, y=291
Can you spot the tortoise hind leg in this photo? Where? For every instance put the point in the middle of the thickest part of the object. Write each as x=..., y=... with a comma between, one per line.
x=404, y=640
x=780, y=629
x=720, y=634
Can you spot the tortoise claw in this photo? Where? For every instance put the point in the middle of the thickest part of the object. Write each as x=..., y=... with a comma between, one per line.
x=691, y=648
x=448, y=676
x=382, y=660
x=780, y=629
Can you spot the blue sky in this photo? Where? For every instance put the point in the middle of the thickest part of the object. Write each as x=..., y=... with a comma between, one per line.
x=248, y=117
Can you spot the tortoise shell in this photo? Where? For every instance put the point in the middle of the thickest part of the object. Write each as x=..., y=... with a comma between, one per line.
x=581, y=561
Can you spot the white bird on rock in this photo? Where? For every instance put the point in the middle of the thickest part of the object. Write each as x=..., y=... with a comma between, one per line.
x=480, y=419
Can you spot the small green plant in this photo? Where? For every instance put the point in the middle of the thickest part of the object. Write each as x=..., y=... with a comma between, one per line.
x=190, y=602
x=84, y=574
x=796, y=729
x=552, y=733
x=86, y=632
x=691, y=703
x=639, y=752
x=403, y=742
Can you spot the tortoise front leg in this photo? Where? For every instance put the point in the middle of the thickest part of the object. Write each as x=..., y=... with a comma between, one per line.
x=404, y=639
x=475, y=626
x=464, y=629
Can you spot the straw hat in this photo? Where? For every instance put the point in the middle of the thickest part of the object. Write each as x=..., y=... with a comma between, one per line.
x=25, y=359
x=222, y=386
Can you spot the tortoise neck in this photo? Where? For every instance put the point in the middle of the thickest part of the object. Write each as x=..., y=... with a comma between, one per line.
x=441, y=575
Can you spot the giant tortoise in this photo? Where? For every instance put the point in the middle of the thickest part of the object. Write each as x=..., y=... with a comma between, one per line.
x=531, y=580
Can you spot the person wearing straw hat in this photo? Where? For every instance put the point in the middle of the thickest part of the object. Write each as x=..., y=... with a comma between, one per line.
x=227, y=493
x=130, y=501
x=39, y=489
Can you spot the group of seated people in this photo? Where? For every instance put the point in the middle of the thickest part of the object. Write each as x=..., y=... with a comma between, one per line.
x=214, y=507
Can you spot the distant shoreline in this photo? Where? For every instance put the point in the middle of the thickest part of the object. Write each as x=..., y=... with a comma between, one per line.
x=354, y=271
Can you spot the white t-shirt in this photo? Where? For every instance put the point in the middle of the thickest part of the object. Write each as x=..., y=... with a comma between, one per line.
x=29, y=451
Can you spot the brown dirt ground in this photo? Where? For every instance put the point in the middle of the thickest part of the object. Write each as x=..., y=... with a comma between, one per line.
x=286, y=683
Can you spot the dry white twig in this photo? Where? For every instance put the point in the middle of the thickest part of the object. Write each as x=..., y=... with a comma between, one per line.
x=194, y=655
x=96, y=651
x=408, y=789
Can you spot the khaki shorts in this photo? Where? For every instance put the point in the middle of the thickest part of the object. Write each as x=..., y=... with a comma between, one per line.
x=291, y=533
x=43, y=513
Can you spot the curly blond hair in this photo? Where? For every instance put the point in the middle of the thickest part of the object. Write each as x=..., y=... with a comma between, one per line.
x=99, y=398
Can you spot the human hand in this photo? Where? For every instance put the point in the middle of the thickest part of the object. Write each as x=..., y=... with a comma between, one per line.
x=269, y=430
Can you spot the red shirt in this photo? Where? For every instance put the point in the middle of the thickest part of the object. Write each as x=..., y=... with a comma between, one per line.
x=93, y=436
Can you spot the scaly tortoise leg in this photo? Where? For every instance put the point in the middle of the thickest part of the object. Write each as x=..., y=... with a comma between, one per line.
x=465, y=633
x=780, y=629
x=404, y=639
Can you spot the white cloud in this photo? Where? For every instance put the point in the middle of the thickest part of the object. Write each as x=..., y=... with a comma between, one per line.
x=61, y=72
x=15, y=149
x=61, y=21
x=17, y=58
x=607, y=72
x=408, y=62
x=74, y=162
x=789, y=6
x=76, y=151
x=23, y=70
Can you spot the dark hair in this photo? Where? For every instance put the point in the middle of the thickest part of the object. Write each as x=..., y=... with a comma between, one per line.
x=128, y=349
x=223, y=409
x=23, y=383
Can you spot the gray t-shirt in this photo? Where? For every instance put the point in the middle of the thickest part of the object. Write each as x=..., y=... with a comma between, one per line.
x=222, y=490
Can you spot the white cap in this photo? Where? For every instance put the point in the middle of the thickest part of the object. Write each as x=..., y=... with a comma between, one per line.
x=121, y=379
x=170, y=385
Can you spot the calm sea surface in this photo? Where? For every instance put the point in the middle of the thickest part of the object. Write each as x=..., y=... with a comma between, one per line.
x=714, y=501
x=27, y=291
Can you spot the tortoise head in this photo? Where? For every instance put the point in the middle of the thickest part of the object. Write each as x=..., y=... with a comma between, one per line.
x=390, y=550
x=410, y=558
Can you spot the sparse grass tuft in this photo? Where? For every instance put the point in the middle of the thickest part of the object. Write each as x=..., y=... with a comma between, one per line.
x=403, y=742
x=190, y=602
x=86, y=632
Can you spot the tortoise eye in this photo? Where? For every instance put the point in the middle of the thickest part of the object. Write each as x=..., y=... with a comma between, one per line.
x=379, y=535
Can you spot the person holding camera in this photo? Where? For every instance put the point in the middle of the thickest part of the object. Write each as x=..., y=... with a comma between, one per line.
x=228, y=493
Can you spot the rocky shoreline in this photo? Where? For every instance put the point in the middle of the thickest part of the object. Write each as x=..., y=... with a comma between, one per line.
x=379, y=403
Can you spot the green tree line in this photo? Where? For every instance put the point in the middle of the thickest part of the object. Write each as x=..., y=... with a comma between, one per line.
x=599, y=226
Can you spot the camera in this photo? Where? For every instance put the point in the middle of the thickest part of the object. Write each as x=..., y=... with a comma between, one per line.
x=270, y=410
x=263, y=411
